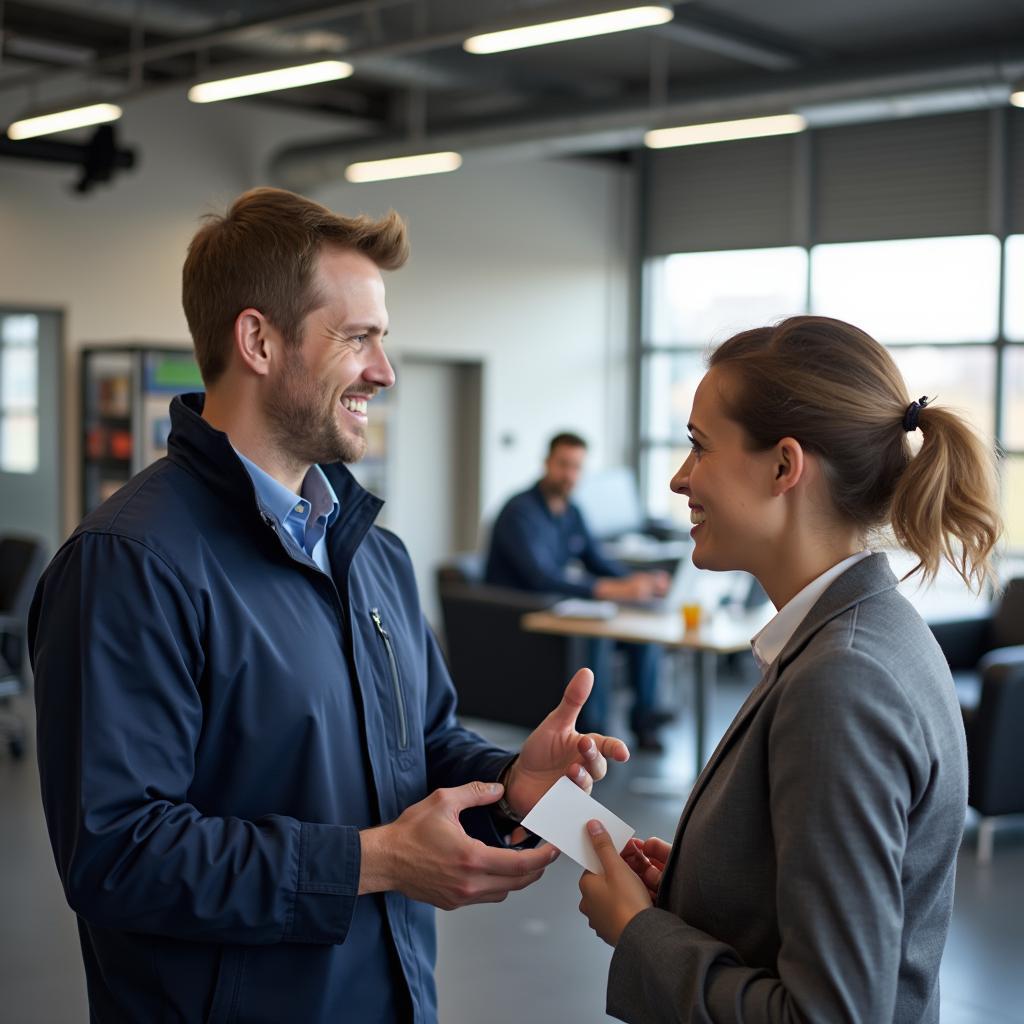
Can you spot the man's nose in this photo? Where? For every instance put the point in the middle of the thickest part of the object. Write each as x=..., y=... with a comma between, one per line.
x=380, y=371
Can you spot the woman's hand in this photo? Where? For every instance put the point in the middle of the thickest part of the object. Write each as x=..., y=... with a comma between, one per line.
x=610, y=901
x=648, y=858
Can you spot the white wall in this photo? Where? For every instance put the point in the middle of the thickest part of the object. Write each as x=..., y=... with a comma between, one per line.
x=524, y=266
x=521, y=265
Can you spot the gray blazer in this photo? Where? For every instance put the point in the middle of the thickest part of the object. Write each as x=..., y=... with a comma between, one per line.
x=811, y=877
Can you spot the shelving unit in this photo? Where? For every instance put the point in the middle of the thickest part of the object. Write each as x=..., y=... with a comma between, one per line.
x=126, y=394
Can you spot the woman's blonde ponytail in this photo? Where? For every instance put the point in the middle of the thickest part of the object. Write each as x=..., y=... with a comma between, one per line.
x=945, y=502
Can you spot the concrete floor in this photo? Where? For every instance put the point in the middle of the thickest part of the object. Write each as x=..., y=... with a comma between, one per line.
x=532, y=958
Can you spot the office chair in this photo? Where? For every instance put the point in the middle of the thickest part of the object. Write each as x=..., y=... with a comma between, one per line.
x=987, y=659
x=21, y=563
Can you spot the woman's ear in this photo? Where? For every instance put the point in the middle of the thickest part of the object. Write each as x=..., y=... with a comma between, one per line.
x=788, y=464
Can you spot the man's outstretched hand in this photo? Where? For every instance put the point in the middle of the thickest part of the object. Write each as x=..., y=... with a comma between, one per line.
x=555, y=749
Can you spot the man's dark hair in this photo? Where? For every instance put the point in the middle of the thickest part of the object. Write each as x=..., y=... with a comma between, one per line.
x=566, y=438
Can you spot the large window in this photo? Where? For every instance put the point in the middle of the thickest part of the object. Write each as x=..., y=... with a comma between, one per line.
x=19, y=393
x=934, y=302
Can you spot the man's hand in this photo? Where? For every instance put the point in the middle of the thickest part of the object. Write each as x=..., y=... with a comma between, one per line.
x=639, y=586
x=426, y=855
x=648, y=858
x=555, y=749
x=610, y=901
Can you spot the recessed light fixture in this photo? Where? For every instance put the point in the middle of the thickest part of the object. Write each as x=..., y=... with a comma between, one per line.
x=724, y=131
x=269, y=81
x=403, y=167
x=63, y=120
x=1017, y=96
x=568, y=28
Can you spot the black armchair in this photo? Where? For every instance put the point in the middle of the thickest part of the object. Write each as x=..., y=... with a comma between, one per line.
x=987, y=659
x=21, y=562
x=500, y=672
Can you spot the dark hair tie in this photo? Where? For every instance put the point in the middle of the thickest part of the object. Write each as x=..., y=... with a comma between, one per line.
x=913, y=413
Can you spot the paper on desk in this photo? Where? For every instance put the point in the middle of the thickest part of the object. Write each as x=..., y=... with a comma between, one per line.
x=584, y=608
x=561, y=816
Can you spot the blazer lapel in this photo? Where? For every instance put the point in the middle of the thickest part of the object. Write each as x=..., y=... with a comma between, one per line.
x=863, y=580
x=750, y=705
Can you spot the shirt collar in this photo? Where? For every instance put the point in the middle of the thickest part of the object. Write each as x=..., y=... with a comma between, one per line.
x=767, y=645
x=281, y=501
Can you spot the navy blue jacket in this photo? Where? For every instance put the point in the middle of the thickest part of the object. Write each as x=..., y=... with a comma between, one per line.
x=217, y=721
x=531, y=548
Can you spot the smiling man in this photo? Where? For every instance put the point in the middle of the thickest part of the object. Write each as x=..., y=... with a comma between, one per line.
x=254, y=780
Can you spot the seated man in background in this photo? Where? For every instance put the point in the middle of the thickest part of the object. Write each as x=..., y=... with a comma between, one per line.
x=535, y=537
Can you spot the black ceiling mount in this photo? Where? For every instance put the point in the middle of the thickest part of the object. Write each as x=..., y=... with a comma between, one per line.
x=99, y=158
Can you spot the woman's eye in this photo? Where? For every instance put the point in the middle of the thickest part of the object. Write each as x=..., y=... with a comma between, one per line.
x=694, y=446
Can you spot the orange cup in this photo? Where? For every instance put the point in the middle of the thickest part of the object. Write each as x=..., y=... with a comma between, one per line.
x=691, y=616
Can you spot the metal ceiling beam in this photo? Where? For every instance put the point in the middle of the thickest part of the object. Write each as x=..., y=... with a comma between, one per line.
x=249, y=32
x=735, y=38
x=608, y=129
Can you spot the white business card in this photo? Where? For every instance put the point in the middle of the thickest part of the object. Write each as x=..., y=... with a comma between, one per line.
x=561, y=816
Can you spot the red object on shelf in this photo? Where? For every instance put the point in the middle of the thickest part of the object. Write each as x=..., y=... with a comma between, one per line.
x=121, y=444
x=96, y=443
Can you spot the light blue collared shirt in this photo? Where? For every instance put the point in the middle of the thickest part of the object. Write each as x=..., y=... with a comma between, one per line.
x=305, y=516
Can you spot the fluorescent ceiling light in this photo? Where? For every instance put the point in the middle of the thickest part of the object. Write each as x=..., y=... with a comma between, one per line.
x=403, y=167
x=269, y=81
x=1017, y=98
x=63, y=120
x=724, y=131
x=569, y=28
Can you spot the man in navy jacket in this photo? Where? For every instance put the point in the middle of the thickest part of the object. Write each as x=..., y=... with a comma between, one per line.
x=537, y=540
x=251, y=767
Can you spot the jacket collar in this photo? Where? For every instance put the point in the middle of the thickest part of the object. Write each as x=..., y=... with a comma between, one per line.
x=206, y=453
x=867, y=578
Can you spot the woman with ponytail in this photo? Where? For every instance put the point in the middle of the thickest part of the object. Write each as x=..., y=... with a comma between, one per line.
x=811, y=875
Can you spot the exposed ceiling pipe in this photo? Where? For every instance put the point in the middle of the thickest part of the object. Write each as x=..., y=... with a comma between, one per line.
x=308, y=166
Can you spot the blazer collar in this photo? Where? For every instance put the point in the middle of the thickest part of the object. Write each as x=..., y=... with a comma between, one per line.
x=865, y=579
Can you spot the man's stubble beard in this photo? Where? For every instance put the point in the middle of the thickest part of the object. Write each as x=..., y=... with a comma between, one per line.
x=303, y=421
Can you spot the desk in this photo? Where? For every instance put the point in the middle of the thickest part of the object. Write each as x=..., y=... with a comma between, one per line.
x=723, y=634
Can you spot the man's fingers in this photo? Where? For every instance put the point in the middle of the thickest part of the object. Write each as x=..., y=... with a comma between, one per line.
x=602, y=843
x=578, y=774
x=605, y=746
x=574, y=697
x=593, y=760
x=472, y=794
x=513, y=863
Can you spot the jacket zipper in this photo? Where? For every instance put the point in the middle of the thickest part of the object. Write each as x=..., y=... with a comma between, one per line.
x=403, y=722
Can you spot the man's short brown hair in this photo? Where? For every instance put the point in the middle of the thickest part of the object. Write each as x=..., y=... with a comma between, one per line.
x=566, y=438
x=263, y=254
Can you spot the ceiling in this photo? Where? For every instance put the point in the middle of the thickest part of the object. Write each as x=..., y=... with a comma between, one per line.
x=415, y=88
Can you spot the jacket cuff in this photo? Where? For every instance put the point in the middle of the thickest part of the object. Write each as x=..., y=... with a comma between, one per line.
x=328, y=884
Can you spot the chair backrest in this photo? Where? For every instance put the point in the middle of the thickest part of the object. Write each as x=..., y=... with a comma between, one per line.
x=22, y=561
x=994, y=750
x=1008, y=622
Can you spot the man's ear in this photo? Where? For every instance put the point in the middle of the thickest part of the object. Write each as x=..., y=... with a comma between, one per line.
x=251, y=340
x=788, y=463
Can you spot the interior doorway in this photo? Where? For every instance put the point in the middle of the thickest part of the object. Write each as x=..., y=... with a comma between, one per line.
x=434, y=464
